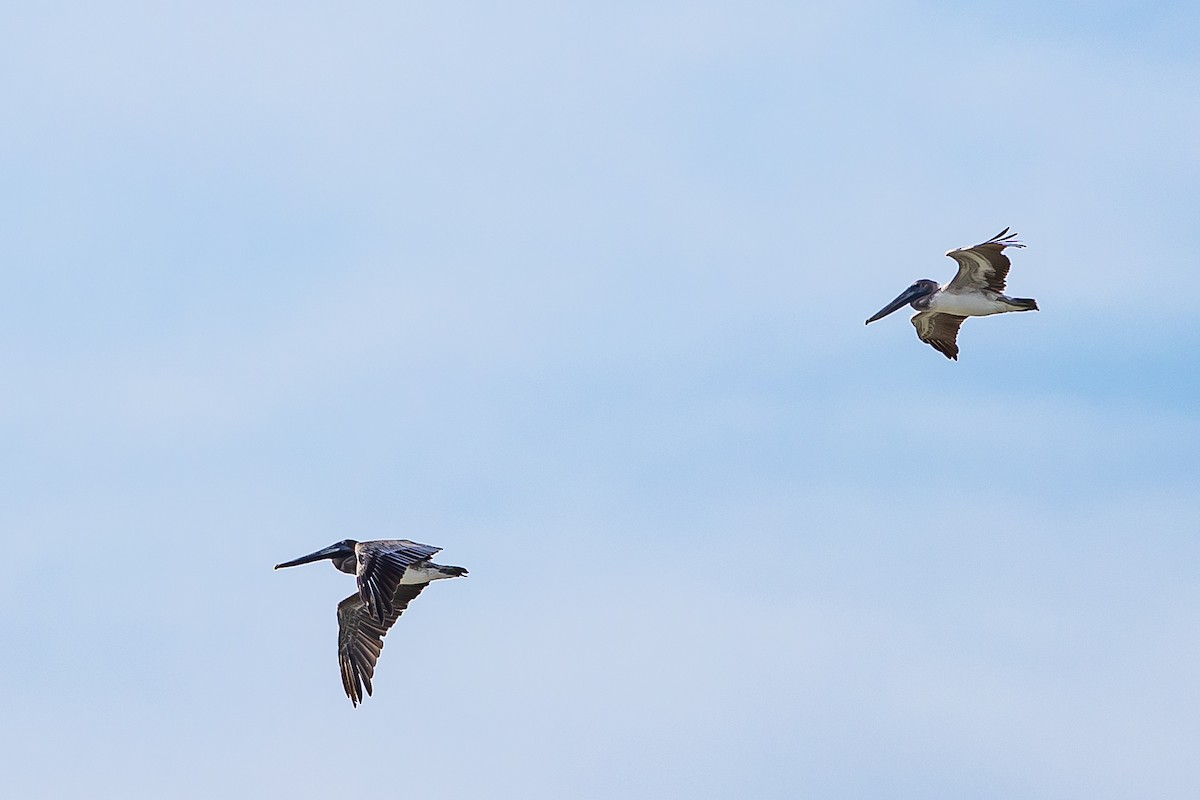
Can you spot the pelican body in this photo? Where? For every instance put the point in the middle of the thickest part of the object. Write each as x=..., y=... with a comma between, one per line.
x=391, y=573
x=977, y=290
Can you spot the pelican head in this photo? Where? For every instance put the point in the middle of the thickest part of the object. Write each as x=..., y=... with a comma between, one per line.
x=338, y=551
x=922, y=288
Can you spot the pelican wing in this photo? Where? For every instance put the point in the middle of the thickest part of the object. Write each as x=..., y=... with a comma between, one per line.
x=381, y=565
x=983, y=266
x=939, y=331
x=360, y=637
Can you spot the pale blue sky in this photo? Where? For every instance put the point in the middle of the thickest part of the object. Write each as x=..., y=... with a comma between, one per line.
x=576, y=291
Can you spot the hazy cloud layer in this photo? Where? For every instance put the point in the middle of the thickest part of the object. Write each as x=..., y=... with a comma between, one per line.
x=577, y=293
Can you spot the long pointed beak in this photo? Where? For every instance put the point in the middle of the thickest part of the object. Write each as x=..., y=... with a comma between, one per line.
x=328, y=552
x=906, y=297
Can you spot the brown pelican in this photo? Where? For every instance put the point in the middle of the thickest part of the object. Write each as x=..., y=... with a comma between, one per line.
x=391, y=572
x=976, y=291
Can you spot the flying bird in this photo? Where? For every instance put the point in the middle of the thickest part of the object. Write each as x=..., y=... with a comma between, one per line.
x=977, y=290
x=390, y=572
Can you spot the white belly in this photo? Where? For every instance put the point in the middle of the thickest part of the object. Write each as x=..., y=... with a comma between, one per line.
x=417, y=573
x=968, y=304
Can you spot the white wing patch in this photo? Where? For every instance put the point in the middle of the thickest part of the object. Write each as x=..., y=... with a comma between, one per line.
x=939, y=331
x=983, y=266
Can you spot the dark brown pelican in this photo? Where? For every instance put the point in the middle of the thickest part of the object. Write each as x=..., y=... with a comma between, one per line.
x=391, y=572
x=976, y=291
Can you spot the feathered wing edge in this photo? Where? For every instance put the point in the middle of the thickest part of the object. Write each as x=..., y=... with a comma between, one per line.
x=940, y=331
x=381, y=566
x=360, y=637
x=1004, y=239
x=983, y=266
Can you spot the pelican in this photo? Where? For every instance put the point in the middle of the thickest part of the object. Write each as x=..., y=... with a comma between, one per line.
x=391, y=572
x=977, y=290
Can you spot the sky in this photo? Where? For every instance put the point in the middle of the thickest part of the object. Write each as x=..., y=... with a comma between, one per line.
x=576, y=292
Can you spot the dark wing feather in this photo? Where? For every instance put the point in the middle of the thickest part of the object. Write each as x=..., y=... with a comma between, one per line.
x=360, y=638
x=984, y=266
x=940, y=331
x=381, y=565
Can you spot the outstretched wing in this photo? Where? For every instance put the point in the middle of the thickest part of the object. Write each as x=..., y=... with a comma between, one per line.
x=381, y=565
x=940, y=331
x=983, y=266
x=360, y=638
